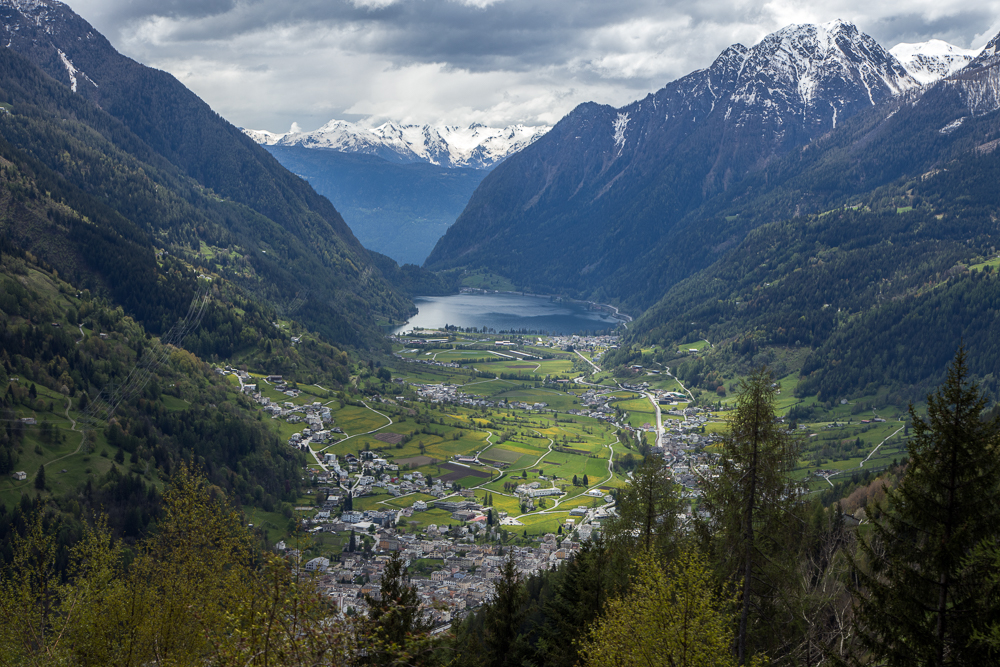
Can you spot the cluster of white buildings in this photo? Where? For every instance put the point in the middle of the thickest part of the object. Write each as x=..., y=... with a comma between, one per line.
x=595, y=405
x=588, y=343
x=691, y=419
x=463, y=581
x=448, y=393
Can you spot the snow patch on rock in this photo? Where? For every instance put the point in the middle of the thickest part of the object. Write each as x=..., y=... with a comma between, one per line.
x=70, y=69
x=619, y=125
x=932, y=60
x=952, y=126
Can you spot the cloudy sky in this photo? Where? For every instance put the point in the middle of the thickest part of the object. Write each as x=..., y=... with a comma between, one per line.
x=265, y=64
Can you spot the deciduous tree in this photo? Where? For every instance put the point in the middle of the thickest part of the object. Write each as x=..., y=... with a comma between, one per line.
x=673, y=617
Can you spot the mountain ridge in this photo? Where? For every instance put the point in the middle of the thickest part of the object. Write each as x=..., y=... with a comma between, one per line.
x=932, y=60
x=850, y=245
x=612, y=184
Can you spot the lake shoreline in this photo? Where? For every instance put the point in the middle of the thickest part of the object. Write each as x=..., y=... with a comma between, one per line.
x=616, y=313
x=510, y=311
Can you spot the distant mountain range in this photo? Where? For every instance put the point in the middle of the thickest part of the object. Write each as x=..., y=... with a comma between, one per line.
x=398, y=210
x=790, y=88
x=930, y=61
x=475, y=146
x=398, y=186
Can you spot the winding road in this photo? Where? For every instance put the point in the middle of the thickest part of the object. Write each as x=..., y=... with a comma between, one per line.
x=597, y=369
x=666, y=369
x=659, y=418
x=862, y=464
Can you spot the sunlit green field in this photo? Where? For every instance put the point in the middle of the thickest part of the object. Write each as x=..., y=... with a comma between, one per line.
x=552, y=446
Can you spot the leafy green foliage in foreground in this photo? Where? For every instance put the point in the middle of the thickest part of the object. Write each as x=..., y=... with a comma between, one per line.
x=196, y=592
x=672, y=616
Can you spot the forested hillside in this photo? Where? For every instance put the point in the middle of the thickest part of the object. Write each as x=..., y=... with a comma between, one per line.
x=126, y=266
x=833, y=247
x=65, y=356
x=870, y=265
x=597, y=202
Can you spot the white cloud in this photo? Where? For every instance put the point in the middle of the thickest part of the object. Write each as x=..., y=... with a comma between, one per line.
x=373, y=4
x=264, y=63
x=480, y=4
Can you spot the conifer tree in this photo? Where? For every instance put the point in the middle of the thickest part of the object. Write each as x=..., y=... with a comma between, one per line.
x=647, y=512
x=579, y=597
x=750, y=502
x=921, y=596
x=503, y=616
x=395, y=618
x=40, y=478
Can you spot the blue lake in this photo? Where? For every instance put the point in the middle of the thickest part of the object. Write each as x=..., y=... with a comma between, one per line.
x=504, y=312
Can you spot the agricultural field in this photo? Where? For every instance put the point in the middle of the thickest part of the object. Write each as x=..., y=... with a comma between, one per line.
x=640, y=411
x=502, y=444
x=513, y=446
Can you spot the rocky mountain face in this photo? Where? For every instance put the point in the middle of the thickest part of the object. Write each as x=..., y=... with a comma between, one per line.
x=475, y=146
x=610, y=186
x=293, y=242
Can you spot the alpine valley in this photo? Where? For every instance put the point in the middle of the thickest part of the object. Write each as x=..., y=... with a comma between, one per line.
x=218, y=448
x=399, y=186
x=135, y=219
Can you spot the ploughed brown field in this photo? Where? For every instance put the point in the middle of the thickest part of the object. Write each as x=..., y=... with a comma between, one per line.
x=458, y=472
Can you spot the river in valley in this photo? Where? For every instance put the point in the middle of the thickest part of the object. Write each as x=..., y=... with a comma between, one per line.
x=505, y=311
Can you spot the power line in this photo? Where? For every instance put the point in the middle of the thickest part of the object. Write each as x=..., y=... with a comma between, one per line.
x=103, y=407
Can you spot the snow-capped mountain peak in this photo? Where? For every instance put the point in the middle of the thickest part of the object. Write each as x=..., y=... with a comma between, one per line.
x=803, y=77
x=476, y=146
x=932, y=60
x=816, y=56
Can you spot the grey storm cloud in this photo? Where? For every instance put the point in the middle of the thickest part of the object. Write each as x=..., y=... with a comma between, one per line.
x=515, y=33
x=959, y=28
x=265, y=63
